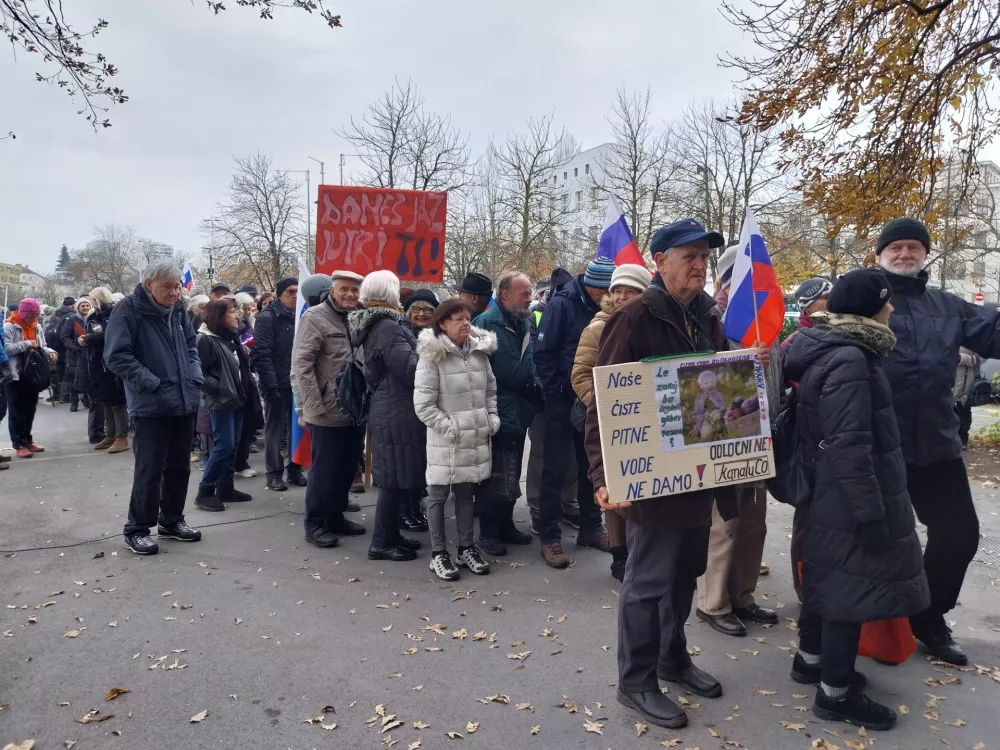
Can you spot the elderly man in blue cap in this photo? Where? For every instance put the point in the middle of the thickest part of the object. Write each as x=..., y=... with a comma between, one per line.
x=667, y=536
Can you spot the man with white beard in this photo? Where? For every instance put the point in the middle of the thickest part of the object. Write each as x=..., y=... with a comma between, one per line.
x=931, y=326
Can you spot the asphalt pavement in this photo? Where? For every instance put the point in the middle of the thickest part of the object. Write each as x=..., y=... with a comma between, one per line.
x=259, y=633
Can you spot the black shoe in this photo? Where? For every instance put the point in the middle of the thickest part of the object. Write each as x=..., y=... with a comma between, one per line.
x=491, y=546
x=572, y=520
x=347, y=528
x=352, y=507
x=654, y=707
x=510, y=534
x=226, y=493
x=810, y=674
x=407, y=522
x=756, y=613
x=321, y=537
x=74, y=409
x=856, y=708
x=276, y=484
x=393, y=554
x=141, y=544
x=208, y=499
x=358, y=487
x=254, y=448
x=937, y=639
x=297, y=478
x=407, y=543
x=698, y=681
x=728, y=624
x=180, y=531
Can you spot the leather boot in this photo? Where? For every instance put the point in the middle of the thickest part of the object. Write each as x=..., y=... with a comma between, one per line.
x=230, y=494
x=208, y=499
x=654, y=707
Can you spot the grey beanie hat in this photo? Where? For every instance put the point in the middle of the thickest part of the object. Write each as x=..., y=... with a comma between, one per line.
x=315, y=285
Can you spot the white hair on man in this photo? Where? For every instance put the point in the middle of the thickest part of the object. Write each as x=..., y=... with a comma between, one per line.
x=381, y=286
x=161, y=269
x=244, y=299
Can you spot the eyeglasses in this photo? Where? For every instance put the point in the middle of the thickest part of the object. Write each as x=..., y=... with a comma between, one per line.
x=422, y=309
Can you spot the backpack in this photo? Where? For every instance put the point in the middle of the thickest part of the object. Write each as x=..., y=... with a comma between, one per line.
x=36, y=370
x=52, y=330
x=979, y=392
x=795, y=472
x=353, y=396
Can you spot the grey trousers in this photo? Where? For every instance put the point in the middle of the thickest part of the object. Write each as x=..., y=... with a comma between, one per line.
x=656, y=597
x=115, y=420
x=95, y=422
x=533, y=480
x=278, y=434
x=465, y=514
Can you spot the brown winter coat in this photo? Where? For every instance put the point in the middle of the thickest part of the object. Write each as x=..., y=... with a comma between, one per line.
x=582, y=375
x=322, y=348
x=653, y=325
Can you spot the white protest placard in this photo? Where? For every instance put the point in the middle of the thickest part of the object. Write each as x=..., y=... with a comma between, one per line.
x=682, y=424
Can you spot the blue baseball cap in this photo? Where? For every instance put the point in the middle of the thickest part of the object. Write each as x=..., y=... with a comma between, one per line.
x=683, y=232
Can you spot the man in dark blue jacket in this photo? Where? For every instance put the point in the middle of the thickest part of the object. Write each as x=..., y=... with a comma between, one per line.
x=517, y=398
x=931, y=326
x=566, y=315
x=150, y=345
x=274, y=334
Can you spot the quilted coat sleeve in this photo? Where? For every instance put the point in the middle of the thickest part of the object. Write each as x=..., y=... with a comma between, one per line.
x=582, y=376
x=491, y=399
x=427, y=386
x=845, y=409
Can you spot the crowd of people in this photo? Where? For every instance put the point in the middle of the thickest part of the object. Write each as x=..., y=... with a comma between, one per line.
x=448, y=391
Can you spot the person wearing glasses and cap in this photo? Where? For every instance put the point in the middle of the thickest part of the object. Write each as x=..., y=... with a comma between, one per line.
x=811, y=297
x=667, y=536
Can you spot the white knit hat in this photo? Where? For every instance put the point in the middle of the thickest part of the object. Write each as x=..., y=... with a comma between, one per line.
x=631, y=274
x=725, y=265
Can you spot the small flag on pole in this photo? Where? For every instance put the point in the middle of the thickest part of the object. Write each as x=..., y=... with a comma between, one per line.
x=301, y=444
x=617, y=242
x=187, y=278
x=756, y=310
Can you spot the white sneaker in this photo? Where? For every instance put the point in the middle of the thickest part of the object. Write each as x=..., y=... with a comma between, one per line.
x=248, y=473
x=471, y=558
x=443, y=567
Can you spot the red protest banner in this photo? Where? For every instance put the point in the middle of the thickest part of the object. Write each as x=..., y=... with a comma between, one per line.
x=364, y=229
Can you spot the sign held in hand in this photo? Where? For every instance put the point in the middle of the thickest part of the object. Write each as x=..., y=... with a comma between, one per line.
x=365, y=229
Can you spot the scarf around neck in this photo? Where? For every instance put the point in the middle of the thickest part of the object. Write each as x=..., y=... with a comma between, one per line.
x=30, y=332
x=875, y=336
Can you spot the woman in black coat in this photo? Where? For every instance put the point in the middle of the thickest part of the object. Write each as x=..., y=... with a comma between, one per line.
x=398, y=439
x=106, y=389
x=226, y=370
x=861, y=555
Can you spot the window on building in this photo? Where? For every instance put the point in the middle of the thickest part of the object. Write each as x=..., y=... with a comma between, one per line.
x=595, y=194
x=565, y=201
x=579, y=198
x=565, y=175
x=586, y=169
x=576, y=171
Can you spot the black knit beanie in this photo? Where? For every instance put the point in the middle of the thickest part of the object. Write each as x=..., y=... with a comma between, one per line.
x=283, y=284
x=421, y=295
x=863, y=292
x=903, y=229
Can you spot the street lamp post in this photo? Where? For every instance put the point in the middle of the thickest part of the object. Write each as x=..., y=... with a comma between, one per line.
x=322, y=173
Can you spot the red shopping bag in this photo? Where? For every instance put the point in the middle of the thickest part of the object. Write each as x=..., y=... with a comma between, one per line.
x=889, y=641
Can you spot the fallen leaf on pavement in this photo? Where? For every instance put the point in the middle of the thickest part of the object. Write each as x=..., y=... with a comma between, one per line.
x=856, y=744
x=903, y=710
x=800, y=696
x=410, y=652
x=114, y=693
x=536, y=729
x=22, y=745
x=823, y=744
x=471, y=727
x=957, y=723
x=640, y=729
x=68, y=744
x=671, y=743
x=328, y=727
x=762, y=691
x=734, y=658
x=568, y=705
x=390, y=726
x=525, y=707
x=71, y=633
x=453, y=735
x=460, y=635
x=200, y=716
x=420, y=725
x=166, y=593
x=716, y=733
x=387, y=628
x=499, y=698
x=93, y=716
x=792, y=727
x=239, y=620
x=593, y=726
x=413, y=745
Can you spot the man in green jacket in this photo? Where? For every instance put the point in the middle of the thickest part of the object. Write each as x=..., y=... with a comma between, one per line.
x=517, y=398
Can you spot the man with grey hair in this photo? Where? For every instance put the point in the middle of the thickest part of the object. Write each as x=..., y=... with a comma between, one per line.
x=931, y=326
x=150, y=345
x=518, y=398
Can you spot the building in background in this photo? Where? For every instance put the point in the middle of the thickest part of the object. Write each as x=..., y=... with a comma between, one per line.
x=582, y=200
x=154, y=251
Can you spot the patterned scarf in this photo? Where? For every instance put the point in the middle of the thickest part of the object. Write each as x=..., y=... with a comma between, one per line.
x=875, y=336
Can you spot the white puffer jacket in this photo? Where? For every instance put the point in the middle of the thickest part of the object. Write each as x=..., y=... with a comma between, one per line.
x=455, y=395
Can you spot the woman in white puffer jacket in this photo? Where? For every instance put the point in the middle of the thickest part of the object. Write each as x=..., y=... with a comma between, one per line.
x=455, y=395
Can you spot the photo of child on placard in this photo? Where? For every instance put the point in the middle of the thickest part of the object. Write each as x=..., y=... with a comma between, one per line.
x=719, y=402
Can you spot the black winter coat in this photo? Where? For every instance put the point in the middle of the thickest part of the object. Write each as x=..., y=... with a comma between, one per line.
x=223, y=362
x=273, y=336
x=931, y=326
x=68, y=332
x=398, y=439
x=53, y=328
x=105, y=386
x=153, y=350
x=844, y=401
x=565, y=317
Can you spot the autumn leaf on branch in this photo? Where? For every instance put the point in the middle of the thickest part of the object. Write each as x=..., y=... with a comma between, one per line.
x=875, y=103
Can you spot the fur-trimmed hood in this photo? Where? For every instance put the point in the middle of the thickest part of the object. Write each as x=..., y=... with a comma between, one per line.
x=435, y=348
x=360, y=322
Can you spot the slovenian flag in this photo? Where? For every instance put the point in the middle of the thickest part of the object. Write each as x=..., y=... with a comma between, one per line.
x=301, y=451
x=617, y=242
x=187, y=278
x=756, y=310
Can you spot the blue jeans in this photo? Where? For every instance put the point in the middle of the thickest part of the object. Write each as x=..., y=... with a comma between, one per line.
x=226, y=429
